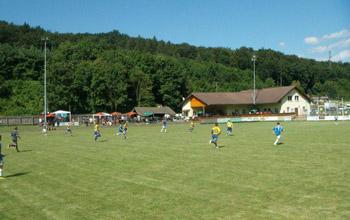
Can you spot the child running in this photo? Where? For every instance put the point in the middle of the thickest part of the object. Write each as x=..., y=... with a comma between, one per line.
x=164, y=125
x=1, y=166
x=14, y=137
x=0, y=145
x=120, y=129
x=229, y=126
x=125, y=129
x=69, y=129
x=215, y=132
x=277, y=130
x=191, y=127
x=97, y=133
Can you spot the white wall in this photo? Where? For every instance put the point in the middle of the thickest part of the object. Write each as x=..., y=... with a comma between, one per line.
x=187, y=108
x=288, y=106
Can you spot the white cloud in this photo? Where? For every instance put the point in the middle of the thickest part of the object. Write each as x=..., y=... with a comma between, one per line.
x=339, y=34
x=319, y=49
x=342, y=56
x=342, y=44
x=282, y=44
x=311, y=40
x=345, y=33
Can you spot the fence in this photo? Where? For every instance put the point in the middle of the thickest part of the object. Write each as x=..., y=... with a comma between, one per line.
x=84, y=119
x=19, y=120
x=34, y=120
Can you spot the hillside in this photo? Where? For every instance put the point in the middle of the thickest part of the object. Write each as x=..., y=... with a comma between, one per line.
x=114, y=72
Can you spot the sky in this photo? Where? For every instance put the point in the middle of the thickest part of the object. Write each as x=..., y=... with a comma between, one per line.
x=306, y=28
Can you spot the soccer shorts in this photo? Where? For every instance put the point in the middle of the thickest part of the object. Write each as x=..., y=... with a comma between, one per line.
x=214, y=138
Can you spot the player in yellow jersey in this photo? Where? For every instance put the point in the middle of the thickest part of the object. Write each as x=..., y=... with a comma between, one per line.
x=229, y=126
x=191, y=126
x=126, y=125
x=215, y=132
x=97, y=132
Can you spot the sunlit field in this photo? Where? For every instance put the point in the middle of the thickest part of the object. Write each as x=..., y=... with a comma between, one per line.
x=179, y=175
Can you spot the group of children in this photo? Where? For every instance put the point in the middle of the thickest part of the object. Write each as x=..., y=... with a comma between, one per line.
x=122, y=130
x=216, y=131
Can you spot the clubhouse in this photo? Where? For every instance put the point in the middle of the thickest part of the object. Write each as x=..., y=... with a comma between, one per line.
x=287, y=99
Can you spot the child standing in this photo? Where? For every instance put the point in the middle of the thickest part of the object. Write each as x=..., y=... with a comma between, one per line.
x=277, y=130
x=14, y=137
x=215, y=132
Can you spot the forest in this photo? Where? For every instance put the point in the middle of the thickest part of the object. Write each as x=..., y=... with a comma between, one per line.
x=115, y=72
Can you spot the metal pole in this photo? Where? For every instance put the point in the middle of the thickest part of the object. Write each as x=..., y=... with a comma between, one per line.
x=254, y=92
x=45, y=100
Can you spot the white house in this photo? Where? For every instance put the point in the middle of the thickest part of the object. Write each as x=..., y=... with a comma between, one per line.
x=288, y=99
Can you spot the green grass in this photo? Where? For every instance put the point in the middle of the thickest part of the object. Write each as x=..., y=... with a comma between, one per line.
x=178, y=175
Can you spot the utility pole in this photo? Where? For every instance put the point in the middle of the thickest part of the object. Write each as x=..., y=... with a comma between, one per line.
x=254, y=92
x=330, y=58
x=45, y=98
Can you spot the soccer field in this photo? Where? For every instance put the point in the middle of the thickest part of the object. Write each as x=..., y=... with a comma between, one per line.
x=178, y=175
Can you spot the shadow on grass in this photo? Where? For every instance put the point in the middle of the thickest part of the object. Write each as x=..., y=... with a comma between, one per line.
x=23, y=151
x=220, y=146
x=17, y=174
x=280, y=143
x=104, y=140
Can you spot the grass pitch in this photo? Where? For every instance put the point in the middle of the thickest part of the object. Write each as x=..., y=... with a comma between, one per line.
x=178, y=175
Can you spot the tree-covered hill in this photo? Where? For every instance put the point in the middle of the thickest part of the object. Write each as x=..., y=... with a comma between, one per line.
x=115, y=72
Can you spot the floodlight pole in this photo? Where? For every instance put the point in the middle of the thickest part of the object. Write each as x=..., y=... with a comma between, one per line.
x=254, y=92
x=45, y=99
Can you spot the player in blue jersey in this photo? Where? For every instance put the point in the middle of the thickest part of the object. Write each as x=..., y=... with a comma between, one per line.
x=120, y=129
x=277, y=130
x=164, y=125
x=15, y=136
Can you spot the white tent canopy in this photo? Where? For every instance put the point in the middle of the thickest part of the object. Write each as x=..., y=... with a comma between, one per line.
x=101, y=114
x=63, y=117
x=61, y=112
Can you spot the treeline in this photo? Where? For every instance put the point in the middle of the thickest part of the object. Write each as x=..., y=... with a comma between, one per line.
x=115, y=72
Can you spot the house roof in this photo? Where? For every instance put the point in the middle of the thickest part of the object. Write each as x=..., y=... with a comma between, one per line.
x=155, y=110
x=263, y=96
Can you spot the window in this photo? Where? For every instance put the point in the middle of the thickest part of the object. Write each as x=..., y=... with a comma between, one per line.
x=289, y=98
x=276, y=110
x=287, y=109
x=304, y=109
x=296, y=98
